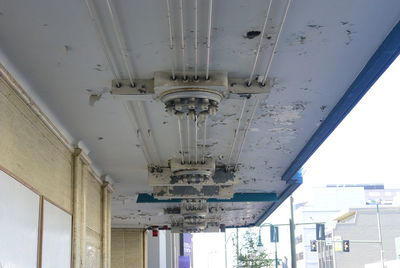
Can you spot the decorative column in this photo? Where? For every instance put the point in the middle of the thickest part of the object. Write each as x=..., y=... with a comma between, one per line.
x=106, y=224
x=79, y=204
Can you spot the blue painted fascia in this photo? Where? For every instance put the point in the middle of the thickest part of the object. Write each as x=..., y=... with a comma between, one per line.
x=375, y=67
x=293, y=184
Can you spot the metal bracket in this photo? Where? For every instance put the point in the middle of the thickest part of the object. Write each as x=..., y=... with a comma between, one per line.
x=148, y=89
x=143, y=89
x=238, y=88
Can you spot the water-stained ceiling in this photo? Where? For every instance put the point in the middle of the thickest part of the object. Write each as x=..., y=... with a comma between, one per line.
x=279, y=68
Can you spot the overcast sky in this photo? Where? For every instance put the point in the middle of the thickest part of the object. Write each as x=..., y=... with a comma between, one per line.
x=364, y=148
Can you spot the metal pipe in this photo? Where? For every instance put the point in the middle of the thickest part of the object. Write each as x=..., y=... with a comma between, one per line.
x=245, y=133
x=361, y=241
x=188, y=138
x=286, y=224
x=196, y=54
x=226, y=252
x=276, y=43
x=237, y=247
x=146, y=125
x=333, y=248
x=259, y=45
x=292, y=236
x=100, y=32
x=204, y=140
x=120, y=41
x=171, y=40
x=180, y=141
x=195, y=138
x=378, y=216
x=276, y=254
x=210, y=9
x=132, y=117
x=182, y=40
x=237, y=131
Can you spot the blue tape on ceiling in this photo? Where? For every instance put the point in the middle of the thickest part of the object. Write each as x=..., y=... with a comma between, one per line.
x=376, y=66
x=237, y=197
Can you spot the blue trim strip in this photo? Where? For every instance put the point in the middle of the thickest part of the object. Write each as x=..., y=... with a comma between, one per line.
x=295, y=182
x=237, y=197
x=376, y=66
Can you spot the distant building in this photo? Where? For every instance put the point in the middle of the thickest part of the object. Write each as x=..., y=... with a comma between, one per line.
x=326, y=203
x=359, y=225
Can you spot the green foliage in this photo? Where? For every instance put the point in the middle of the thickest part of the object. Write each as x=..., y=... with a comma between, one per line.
x=249, y=255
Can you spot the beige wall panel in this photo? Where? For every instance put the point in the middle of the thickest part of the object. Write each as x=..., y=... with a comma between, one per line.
x=32, y=152
x=127, y=248
x=117, y=249
x=93, y=203
x=93, y=249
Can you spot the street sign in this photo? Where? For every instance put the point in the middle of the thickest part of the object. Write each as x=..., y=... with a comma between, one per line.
x=274, y=234
x=320, y=231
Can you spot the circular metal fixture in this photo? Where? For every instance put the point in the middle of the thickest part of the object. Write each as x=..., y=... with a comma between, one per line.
x=193, y=102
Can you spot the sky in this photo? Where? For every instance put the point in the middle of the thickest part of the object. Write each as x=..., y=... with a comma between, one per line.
x=364, y=148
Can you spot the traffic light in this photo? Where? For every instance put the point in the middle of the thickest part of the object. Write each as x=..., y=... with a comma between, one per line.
x=313, y=244
x=346, y=246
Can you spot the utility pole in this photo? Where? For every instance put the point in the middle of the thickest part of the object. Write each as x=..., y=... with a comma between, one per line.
x=237, y=247
x=276, y=254
x=378, y=216
x=333, y=249
x=226, y=257
x=292, y=235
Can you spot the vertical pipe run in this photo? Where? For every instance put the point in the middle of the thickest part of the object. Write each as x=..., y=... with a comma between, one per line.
x=188, y=139
x=236, y=131
x=292, y=236
x=171, y=41
x=181, y=141
x=210, y=10
x=196, y=54
x=276, y=43
x=120, y=41
x=204, y=140
x=333, y=249
x=245, y=133
x=259, y=44
x=276, y=254
x=237, y=247
x=378, y=216
x=226, y=252
x=195, y=139
x=182, y=39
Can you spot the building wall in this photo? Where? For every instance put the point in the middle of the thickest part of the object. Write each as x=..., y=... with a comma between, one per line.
x=326, y=203
x=32, y=152
x=128, y=248
x=36, y=154
x=365, y=227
